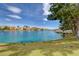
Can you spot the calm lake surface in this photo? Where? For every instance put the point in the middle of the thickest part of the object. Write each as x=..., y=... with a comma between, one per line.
x=28, y=36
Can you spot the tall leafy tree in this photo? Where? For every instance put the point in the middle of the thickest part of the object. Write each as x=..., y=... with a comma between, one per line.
x=68, y=14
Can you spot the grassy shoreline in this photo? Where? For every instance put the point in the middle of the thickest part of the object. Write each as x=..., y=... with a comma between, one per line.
x=64, y=47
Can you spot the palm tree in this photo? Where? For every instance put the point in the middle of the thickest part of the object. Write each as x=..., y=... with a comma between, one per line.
x=68, y=14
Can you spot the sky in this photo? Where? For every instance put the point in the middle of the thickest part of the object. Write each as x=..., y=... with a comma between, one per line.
x=28, y=14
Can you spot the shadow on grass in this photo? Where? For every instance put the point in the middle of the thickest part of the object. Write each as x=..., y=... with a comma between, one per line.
x=47, y=48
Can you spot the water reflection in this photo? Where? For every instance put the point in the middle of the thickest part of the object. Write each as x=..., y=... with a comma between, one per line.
x=28, y=36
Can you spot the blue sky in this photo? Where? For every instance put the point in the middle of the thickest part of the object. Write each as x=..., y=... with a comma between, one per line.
x=26, y=14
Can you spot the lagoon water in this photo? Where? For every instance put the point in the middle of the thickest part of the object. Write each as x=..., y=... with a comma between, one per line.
x=28, y=36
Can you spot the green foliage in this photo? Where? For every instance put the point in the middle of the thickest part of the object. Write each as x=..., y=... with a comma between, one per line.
x=65, y=12
x=4, y=28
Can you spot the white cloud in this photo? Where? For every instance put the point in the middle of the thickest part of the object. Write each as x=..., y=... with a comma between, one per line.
x=15, y=16
x=45, y=19
x=46, y=7
x=7, y=19
x=14, y=9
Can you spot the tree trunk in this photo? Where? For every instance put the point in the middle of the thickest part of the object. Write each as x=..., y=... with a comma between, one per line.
x=76, y=28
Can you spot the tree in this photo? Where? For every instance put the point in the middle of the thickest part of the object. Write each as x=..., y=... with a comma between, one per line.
x=68, y=14
x=6, y=28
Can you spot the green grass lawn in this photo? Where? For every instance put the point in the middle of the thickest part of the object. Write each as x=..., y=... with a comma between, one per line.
x=63, y=47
